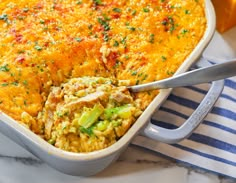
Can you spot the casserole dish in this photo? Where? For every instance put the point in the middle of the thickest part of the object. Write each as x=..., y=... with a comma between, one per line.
x=93, y=162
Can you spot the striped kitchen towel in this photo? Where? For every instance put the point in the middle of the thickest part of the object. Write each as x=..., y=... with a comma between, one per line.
x=212, y=146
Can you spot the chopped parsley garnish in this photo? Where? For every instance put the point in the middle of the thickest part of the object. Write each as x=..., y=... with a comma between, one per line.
x=15, y=83
x=4, y=84
x=131, y=28
x=163, y=58
x=170, y=72
x=184, y=31
x=151, y=38
x=4, y=17
x=4, y=68
x=133, y=12
x=164, y=22
x=169, y=24
x=79, y=2
x=145, y=77
x=126, y=57
x=41, y=21
x=104, y=24
x=105, y=37
x=97, y=2
x=123, y=41
x=25, y=102
x=172, y=28
x=127, y=23
x=187, y=12
x=106, y=18
x=78, y=39
x=140, y=74
x=117, y=10
x=134, y=73
x=116, y=43
x=37, y=47
x=25, y=82
x=146, y=10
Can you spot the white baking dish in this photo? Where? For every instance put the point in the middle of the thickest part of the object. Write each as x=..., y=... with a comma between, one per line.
x=93, y=162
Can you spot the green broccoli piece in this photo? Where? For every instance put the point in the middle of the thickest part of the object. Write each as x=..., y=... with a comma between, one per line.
x=88, y=118
x=122, y=111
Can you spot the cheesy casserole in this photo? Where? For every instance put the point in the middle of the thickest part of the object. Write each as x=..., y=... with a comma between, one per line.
x=53, y=53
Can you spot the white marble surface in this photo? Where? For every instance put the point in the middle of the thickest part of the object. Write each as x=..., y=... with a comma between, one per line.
x=134, y=165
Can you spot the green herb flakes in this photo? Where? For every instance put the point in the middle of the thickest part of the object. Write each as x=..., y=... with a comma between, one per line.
x=78, y=39
x=37, y=47
x=152, y=38
x=116, y=43
x=117, y=10
x=146, y=10
x=4, y=68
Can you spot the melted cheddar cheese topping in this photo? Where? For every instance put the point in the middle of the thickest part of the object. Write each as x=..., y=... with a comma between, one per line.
x=44, y=43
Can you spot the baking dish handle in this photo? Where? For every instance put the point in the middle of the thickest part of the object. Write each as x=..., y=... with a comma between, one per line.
x=175, y=135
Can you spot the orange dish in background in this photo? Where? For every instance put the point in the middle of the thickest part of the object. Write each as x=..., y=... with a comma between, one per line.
x=43, y=44
x=225, y=14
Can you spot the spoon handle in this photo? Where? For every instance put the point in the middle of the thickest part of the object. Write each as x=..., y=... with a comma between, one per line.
x=202, y=75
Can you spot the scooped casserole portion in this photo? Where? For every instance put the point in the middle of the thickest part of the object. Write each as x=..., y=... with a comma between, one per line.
x=88, y=113
x=64, y=64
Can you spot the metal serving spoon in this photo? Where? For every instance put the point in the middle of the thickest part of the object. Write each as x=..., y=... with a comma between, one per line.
x=202, y=75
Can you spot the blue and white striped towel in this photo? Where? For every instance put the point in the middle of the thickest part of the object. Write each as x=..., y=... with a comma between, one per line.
x=212, y=146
